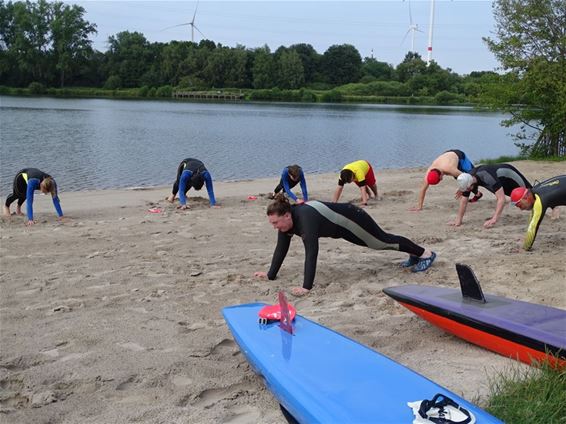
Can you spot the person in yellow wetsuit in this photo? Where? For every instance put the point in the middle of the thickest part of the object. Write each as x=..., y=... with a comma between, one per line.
x=361, y=173
x=548, y=194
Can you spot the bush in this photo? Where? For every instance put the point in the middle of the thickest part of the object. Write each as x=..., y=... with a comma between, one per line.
x=446, y=97
x=113, y=82
x=332, y=96
x=151, y=92
x=164, y=91
x=36, y=88
x=307, y=96
x=143, y=91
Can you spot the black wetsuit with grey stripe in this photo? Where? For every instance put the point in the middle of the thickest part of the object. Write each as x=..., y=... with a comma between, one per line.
x=315, y=219
x=494, y=177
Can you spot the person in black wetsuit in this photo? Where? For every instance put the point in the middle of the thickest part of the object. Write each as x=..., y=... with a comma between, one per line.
x=26, y=182
x=500, y=179
x=191, y=173
x=548, y=194
x=316, y=219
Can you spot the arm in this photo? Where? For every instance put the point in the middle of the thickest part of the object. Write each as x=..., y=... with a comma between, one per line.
x=537, y=214
x=500, y=195
x=209, y=188
x=422, y=194
x=285, y=179
x=303, y=183
x=283, y=243
x=337, y=193
x=57, y=205
x=185, y=177
x=33, y=184
x=461, y=212
x=311, y=255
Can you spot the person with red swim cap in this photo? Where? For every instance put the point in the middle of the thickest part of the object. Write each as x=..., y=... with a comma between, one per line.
x=453, y=163
x=548, y=194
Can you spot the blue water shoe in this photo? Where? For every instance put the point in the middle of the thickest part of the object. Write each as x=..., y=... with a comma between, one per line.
x=413, y=260
x=424, y=263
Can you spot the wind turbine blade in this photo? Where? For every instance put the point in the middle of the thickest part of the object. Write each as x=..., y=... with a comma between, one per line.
x=195, y=15
x=195, y=27
x=174, y=26
x=405, y=37
x=410, y=14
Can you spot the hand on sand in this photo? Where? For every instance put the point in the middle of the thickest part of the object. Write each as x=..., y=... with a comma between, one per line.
x=489, y=223
x=215, y=206
x=299, y=291
x=30, y=223
x=415, y=209
x=183, y=207
x=260, y=274
x=455, y=223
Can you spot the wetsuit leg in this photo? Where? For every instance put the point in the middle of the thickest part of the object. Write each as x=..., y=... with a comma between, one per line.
x=18, y=191
x=180, y=170
x=279, y=187
x=400, y=243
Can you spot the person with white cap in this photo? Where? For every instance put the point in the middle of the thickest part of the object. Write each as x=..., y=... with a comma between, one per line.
x=500, y=179
x=548, y=194
x=453, y=163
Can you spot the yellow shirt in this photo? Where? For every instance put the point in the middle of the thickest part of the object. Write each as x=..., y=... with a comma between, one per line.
x=360, y=168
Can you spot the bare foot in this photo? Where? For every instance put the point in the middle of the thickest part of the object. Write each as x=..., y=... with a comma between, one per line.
x=299, y=291
x=6, y=211
x=170, y=199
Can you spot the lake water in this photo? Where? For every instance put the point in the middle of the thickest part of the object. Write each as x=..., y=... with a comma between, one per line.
x=94, y=144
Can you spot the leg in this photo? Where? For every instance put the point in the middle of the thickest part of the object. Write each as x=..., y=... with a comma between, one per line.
x=374, y=189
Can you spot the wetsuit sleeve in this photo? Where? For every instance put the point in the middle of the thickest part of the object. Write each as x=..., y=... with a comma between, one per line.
x=537, y=214
x=33, y=184
x=208, y=181
x=285, y=179
x=304, y=187
x=185, y=177
x=311, y=254
x=283, y=243
x=57, y=205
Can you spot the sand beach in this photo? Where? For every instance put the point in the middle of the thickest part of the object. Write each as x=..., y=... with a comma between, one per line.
x=113, y=315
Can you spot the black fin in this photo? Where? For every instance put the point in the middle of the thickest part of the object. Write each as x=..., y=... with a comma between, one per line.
x=469, y=284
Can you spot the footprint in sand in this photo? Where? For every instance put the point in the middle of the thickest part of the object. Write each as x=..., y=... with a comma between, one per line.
x=242, y=414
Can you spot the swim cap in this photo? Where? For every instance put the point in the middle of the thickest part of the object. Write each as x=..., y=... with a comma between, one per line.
x=433, y=176
x=518, y=194
x=464, y=181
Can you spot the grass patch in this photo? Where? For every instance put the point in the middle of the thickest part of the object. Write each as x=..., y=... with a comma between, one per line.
x=529, y=395
x=505, y=159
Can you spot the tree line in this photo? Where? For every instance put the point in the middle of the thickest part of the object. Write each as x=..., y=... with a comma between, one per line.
x=47, y=44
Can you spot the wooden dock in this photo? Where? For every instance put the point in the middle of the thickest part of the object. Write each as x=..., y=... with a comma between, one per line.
x=208, y=95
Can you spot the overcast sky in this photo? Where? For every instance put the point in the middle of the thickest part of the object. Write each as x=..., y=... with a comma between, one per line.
x=373, y=27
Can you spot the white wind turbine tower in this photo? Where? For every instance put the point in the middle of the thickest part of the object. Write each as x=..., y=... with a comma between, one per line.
x=430, y=28
x=412, y=29
x=192, y=24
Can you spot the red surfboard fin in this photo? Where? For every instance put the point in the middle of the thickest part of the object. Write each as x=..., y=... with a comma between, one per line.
x=285, y=322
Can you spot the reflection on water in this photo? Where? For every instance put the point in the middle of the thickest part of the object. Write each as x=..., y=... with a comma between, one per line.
x=92, y=143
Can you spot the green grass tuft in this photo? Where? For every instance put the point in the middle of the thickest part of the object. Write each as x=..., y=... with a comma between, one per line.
x=529, y=395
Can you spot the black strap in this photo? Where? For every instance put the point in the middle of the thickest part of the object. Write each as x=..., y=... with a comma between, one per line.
x=440, y=401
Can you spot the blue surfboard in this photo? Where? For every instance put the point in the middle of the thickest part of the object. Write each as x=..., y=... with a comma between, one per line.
x=321, y=376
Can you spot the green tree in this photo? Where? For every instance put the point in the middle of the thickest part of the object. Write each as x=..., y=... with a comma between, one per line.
x=309, y=58
x=70, y=38
x=342, y=64
x=129, y=57
x=381, y=71
x=530, y=43
x=291, y=73
x=263, y=68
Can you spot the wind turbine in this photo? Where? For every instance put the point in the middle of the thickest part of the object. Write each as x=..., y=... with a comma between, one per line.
x=192, y=24
x=412, y=29
x=430, y=28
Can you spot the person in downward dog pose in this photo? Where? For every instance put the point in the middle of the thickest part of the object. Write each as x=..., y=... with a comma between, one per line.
x=191, y=173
